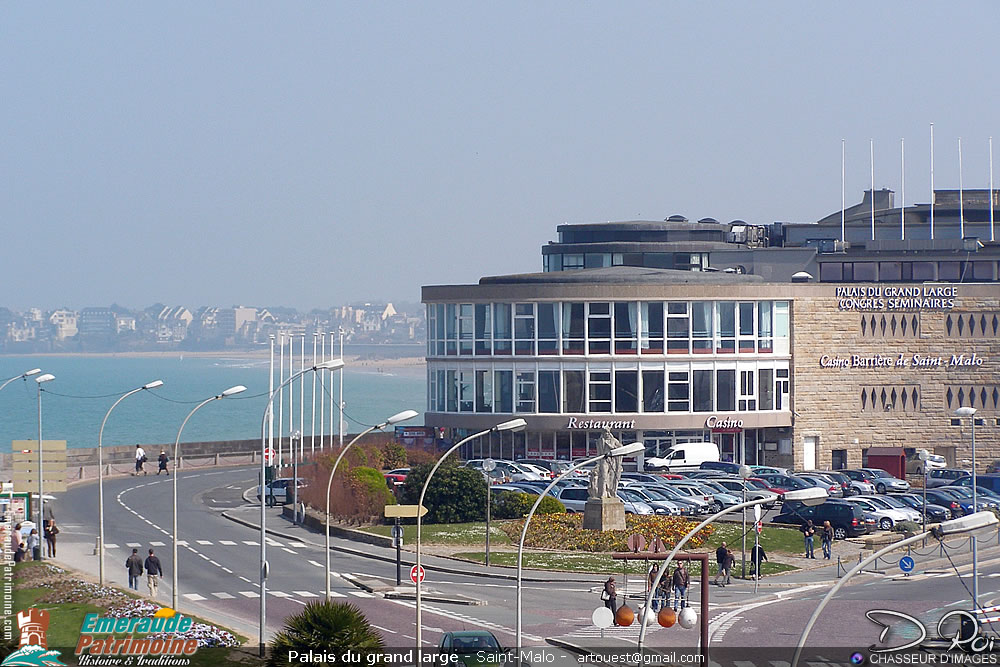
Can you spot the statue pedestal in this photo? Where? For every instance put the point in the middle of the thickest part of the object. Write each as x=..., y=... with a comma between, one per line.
x=604, y=514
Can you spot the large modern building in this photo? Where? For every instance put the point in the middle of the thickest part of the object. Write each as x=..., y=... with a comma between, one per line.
x=796, y=344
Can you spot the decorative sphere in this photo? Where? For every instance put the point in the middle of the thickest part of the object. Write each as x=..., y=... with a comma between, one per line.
x=625, y=616
x=648, y=616
x=666, y=617
x=688, y=618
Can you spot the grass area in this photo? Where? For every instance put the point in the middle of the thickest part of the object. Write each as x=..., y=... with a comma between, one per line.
x=597, y=563
x=773, y=538
x=470, y=534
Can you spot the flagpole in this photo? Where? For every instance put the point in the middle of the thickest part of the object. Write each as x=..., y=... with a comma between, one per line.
x=992, y=201
x=932, y=181
x=902, y=191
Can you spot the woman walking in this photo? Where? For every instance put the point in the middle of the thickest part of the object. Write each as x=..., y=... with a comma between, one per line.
x=610, y=596
x=827, y=536
x=51, y=530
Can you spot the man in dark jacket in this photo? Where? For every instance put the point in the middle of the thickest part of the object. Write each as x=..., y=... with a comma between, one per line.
x=756, y=556
x=681, y=580
x=134, y=566
x=153, y=573
x=722, y=559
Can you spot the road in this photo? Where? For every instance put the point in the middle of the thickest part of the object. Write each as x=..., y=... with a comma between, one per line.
x=219, y=564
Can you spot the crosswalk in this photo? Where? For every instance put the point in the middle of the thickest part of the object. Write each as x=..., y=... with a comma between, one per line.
x=304, y=595
x=225, y=543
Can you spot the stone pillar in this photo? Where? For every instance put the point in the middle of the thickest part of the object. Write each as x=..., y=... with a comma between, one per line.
x=604, y=514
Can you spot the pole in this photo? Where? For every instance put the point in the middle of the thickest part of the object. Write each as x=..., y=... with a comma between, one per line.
x=399, y=555
x=843, y=196
x=743, y=555
x=302, y=399
x=975, y=508
x=932, y=182
x=871, y=149
x=488, y=494
x=295, y=480
x=924, y=525
x=961, y=195
x=340, y=397
x=270, y=413
x=281, y=398
x=704, y=610
x=312, y=420
x=902, y=192
x=758, y=562
x=992, y=195
x=332, y=392
x=41, y=498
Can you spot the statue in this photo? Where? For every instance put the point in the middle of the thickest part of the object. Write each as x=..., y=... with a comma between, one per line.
x=607, y=473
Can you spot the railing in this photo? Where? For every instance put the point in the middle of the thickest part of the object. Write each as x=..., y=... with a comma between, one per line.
x=86, y=472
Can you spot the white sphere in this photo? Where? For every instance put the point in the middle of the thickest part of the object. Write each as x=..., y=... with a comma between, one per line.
x=603, y=617
x=688, y=618
x=649, y=617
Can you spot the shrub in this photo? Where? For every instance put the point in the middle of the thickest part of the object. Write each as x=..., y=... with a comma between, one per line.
x=418, y=455
x=393, y=455
x=325, y=627
x=371, y=492
x=906, y=527
x=456, y=494
x=511, y=505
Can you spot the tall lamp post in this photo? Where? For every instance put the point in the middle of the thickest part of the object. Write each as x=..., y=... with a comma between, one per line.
x=954, y=526
x=100, y=474
x=23, y=376
x=395, y=419
x=745, y=473
x=813, y=495
x=512, y=425
x=970, y=412
x=330, y=365
x=617, y=452
x=238, y=389
x=48, y=377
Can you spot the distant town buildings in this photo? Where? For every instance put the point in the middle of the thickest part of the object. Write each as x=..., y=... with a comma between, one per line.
x=165, y=327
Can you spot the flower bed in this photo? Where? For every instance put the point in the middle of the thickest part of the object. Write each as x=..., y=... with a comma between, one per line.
x=565, y=532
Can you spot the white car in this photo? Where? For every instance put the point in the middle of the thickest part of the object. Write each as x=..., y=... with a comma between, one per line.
x=515, y=472
x=886, y=516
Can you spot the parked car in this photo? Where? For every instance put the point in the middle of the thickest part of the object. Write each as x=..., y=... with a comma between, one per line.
x=933, y=462
x=682, y=456
x=993, y=467
x=767, y=470
x=679, y=507
x=883, y=481
x=573, y=498
x=517, y=487
x=660, y=504
x=847, y=519
x=692, y=489
x=946, y=476
x=396, y=477
x=989, y=481
x=946, y=499
x=847, y=485
x=697, y=503
x=887, y=512
x=278, y=491
x=784, y=482
x=706, y=474
x=634, y=502
x=964, y=494
x=511, y=470
x=935, y=512
x=722, y=466
x=832, y=488
x=722, y=495
x=737, y=487
x=553, y=466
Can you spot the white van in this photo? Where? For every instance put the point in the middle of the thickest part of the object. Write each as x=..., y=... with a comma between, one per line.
x=684, y=456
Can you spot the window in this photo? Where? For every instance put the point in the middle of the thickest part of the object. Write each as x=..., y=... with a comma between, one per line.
x=501, y=328
x=890, y=271
x=572, y=328
x=766, y=388
x=626, y=391
x=652, y=391
x=524, y=329
x=831, y=272
x=626, y=328
x=981, y=270
x=484, y=391
x=525, y=391
x=923, y=270
x=431, y=328
x=678, y=328
x=781, y=390
x=865, y=272
x=747, y=394
x=600, y=391
x=502, y=385
x=440, y=328
x=548, y=330
x=726, y=327
x=452, y=387
x=781, y=319
x=441, y=392
x=450, y=321
x=571, y=262
x=746, y=328
x=574, y=388
x=701, y=327
x=599, y=328
x=725, y=396
x=702, y=390
x=465, y=328
x=652, y=327
x=764, y=343
x=593, y=260
x=466, y=384
x=548, y=391
x=484, y=329
x=679, y=392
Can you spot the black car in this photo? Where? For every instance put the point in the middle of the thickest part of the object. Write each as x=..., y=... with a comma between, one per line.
x=946, y=500
x=724, y=466
x=838, y=477
x=935, y=512
x=847, y=519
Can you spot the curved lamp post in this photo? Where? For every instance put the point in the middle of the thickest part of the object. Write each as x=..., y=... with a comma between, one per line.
x=238, y=389
x=100, y=474
x=23, y=376
x=395, y=419
x=970, y=412
x=330, y=365
x=617, y=452
x=48, y=377
x=814, y=495
x=954, y=526
x=512, y=425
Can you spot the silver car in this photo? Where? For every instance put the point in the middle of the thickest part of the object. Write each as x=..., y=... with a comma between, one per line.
x=737, y=486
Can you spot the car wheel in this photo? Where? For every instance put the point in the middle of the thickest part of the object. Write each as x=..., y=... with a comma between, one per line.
x=880, y=488
x=885, y=524
x=839, y=533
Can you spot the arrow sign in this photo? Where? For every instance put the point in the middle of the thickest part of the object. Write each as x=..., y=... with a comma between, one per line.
x=906, y=564
x=404, y=511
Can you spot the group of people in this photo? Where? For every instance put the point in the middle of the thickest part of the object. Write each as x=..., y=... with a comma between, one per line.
x=29, y=547
x=140, y=460
x=152, y=566
x=677, y=583
x=725, y=560
x=826, y=535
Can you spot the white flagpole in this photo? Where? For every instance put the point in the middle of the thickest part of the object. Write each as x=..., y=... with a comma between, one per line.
x=992, y=199
x=302, y=396
x=932, y=181
x=961, y=196
x=843, y=195
x=312, y=419
x=340, y=397
x=332, y=355
x=270, y=406
x=322, y=391
x=871, y=152
x=902, y=191
x=281, y=394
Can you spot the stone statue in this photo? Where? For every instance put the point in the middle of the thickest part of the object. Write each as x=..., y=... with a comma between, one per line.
x=607, y=473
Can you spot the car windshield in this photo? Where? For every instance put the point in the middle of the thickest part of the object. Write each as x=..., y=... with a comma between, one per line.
x=756, y=483
x=474, y=644
x=881, y=503
x=911, y=501
x=881, y=474
x=892, y=502
x=632, y=495
x=961, y=492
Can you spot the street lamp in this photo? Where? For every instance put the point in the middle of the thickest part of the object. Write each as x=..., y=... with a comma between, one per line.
x=238, y=389
x=745, y=473
x=617, y=452
x=330, y=365
x=48, y=377
x=966, y=411
x=813, y=495
x=23, y=376
x=512, y=425
x=100, y=474
x=395, y=419
x=954, y=526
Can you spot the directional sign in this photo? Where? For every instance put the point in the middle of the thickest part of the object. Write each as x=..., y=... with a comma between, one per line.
x=413, y=574
x=268, y=456
x=404, y=511
x=906, y=564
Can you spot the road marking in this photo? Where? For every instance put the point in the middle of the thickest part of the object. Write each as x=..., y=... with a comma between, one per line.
x=463, y=618
x=245, y=579
x=312, y=562
x=361, y=594
x=289, y=551
x=203, y=541
x=133, y=544
x=379, y=627
x=298, y=545
x=203, y=556
x=228, y=543
x=272, y=542
x=193, y=596
x=110, y=546
x=250, y=594
x=251, y=543
x=335, y=594
x=182, y=543
x=305, y=594
x=157, y=544
x=335, y=574
x=214, y=563
x=227, y=570
x=223, y=596
x=280, y=594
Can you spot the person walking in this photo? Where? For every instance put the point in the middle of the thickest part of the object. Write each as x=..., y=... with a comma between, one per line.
x=34, y=551
x=610, y=596
x=808, y=530
x=140, y=458
x=663, y=591
x=651, y=576
x=162, y=460
x=153, y=573
x=730, y=562
x=757, y=555
x=721, y=560
x=134, y=566
x=681, y=580
x=51, y=530
x=827, y=537
x=15, y=538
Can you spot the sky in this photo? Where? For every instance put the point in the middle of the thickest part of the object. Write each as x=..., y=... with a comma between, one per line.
x=313, y=154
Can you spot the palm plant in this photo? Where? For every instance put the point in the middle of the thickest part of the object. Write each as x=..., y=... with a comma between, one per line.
x=325, y=627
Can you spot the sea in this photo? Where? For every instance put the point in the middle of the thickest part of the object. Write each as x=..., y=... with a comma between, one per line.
x=85, y=387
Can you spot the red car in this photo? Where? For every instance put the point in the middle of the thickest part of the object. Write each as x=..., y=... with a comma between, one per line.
x=396, y=477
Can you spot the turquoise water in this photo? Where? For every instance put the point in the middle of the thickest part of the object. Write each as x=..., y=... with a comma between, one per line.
x=74, y=404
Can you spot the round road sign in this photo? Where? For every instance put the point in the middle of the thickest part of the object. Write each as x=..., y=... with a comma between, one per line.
x=268, y=456
x=602, y=617
x=413, y=575
x=906, y=564
x=489, y=465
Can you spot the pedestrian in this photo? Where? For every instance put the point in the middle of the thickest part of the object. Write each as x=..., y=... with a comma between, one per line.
x=756, y=556
x=722, y=560
x=134, y=566
x=153, y=573
x=51, y=530
x=808, y=530
x=827, y=537
x=162, y=460
x=140, y=458
x=663, y=591
x=34, y=545
x=730, y=564
x=610, y=596
x=681, y=580
x=652, y=593
x=15, y=538
x=19, y=553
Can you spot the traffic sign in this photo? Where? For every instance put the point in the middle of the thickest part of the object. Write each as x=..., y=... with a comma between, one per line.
x=759, y=527
x=413, y=574
x=489, y=465
x=269, y=456
x=404, y=511
x=906, y=564
x=756, y=512
x=602, y=617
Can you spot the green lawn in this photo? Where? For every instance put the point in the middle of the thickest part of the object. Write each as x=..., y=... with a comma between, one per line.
x=597, y=563
x=471, y=534
x=773, y=538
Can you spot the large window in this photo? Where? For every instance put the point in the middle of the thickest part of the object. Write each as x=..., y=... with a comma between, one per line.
x=574, y=391
x=701, y=327
x=725, y=390
x=679, y=391
x=726, y=327
x=701, y=390
x=652, y=327
x=548, y=328
x=600, y=391
x=652, y=391
x=626, y=391
x=501, y=328
x=626, y=328
x=548, y=391
x=524, y=329
x=747, y=340
x=484, y=391
x=678, y=328
x=484, y=329
x=766, y=376
x=572, y=328
x=465, y=328
x=526, y=391
x=502, y=386
x=599, y=328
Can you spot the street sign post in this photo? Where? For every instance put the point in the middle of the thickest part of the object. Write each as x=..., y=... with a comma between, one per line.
x=404, y=511
x=397, y=541
x=414, y=575
x=489, y=465
x=906, y=564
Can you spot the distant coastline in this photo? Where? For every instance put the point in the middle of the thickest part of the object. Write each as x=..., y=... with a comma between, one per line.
x=355, y=359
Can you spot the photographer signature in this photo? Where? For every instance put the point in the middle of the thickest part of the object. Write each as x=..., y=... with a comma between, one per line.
x=967, y=636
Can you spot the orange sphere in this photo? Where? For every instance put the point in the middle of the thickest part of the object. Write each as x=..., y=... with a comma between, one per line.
x=666, y=617
x=625, y=615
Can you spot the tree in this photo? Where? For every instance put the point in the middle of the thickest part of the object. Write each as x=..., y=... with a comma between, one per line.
x=456, y=493
x=325, y=627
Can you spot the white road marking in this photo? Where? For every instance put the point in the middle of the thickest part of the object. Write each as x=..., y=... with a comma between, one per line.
x=379, y=627
x=226, y=569
x=203, y=541
x=280, y=594
x=223, y=596
x=133, y=544
x=193, y=596
x=108, y=545
x=312, y=562
x=305, y=594
x=228, y=543
x=250, y=594
x=298, y=545
x=361, y=594
x=157, y=544
x=251, y=543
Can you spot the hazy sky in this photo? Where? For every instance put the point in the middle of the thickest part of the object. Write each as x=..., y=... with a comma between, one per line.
x=310, y=154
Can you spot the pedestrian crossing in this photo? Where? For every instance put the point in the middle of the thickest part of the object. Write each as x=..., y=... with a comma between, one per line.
x=286, y=546
x=305, y=595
